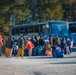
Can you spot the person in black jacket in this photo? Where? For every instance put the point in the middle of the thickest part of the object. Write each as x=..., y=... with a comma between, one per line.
x=41, y=42
x=9, y=45
x=21, y=42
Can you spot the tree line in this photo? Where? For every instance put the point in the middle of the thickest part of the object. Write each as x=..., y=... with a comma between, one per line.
x=14, y=12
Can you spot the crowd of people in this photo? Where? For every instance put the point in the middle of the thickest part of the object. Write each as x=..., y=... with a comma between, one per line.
x=36, y=46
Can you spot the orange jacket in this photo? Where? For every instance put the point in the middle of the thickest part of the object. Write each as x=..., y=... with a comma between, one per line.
x=29, y=45
x=1, y=43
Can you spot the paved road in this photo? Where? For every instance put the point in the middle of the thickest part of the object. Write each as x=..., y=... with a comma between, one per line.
x=39, y=65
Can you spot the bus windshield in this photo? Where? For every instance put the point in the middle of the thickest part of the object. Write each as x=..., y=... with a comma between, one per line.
x=59, y=29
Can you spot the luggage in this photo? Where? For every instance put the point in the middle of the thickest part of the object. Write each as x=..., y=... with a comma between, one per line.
x=41, y=50
x=58, y=53
x=34, y=52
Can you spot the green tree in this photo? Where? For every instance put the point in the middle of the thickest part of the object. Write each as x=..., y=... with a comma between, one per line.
x=43, y=10
x=70, y=11
x=26, y=11
x=12, y=12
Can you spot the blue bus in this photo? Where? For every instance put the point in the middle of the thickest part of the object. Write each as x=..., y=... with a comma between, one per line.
x=59, y=28
x=72, y=31
x=48, y=28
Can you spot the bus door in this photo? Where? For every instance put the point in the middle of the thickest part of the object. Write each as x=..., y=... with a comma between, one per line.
x=72, y=32
x=46, y=29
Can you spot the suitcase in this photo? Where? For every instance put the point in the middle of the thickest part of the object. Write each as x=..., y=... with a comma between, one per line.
x=34, y=52
x=58, y=54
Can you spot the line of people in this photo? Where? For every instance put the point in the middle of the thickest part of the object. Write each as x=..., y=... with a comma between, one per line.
x=52, y=46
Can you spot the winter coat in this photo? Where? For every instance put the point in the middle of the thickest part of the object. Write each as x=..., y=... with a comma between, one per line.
x=9, y=43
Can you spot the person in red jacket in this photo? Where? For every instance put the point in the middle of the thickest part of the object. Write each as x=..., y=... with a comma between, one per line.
x=29, y=45
x=1, y=44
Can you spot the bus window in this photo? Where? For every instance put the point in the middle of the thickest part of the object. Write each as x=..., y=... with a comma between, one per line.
x=26, y=30
x=64, y=30
x=59, y=29
x=72, y=31
x=44, y=29
x=36, y=29
x=13, y=31
x=22, y=30
x=17, y=30
x=41, y=29
x=30, y=30
x=72, y=28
